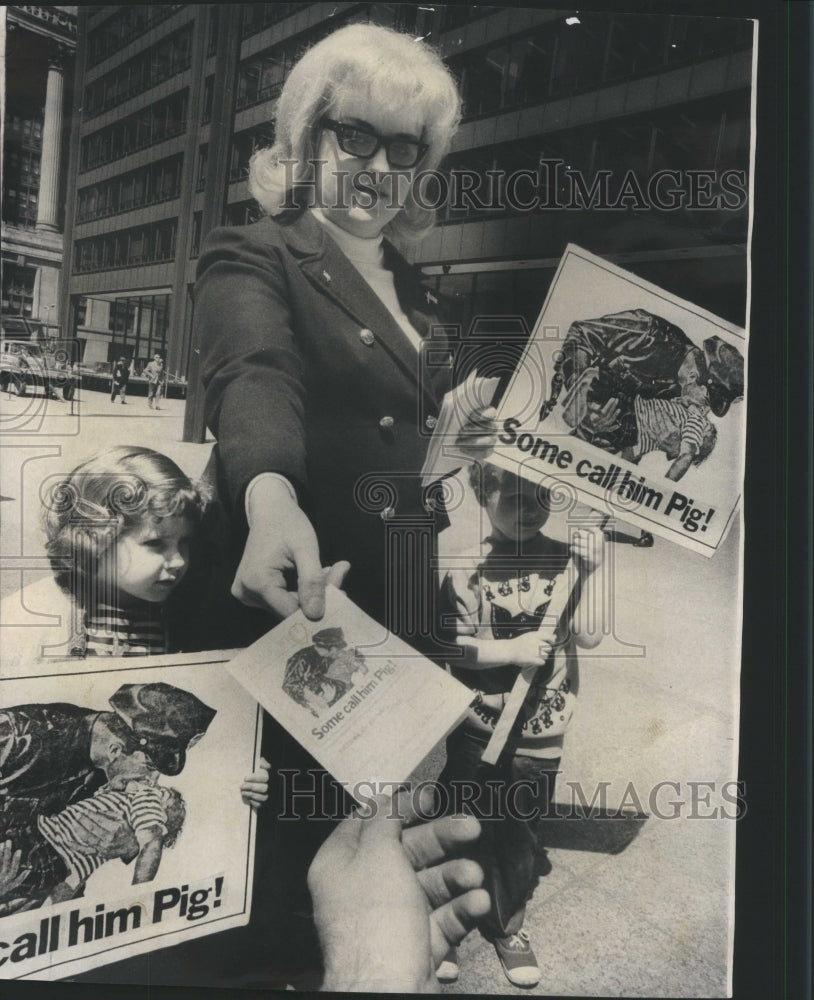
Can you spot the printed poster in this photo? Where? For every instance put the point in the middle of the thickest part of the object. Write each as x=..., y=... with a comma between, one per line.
x=635, y=400
x=80, y=882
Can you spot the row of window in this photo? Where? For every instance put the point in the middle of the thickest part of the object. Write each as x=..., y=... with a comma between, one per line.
x=149, y=244
x=147, y=186
x=161, y=62
x=127, y=24
x=257, y=16
x=404, y=17
x=261, y=77
x=558, y=59
x=146, y=127
x=707, y=137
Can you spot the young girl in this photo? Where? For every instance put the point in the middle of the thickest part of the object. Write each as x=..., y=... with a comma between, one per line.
x=121, y=532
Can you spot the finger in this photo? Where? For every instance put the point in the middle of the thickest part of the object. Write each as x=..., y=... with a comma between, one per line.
x=451, y=878
x=450, y=923
x=435, y=841
x=310, y=581
x=417, y=805
x=380, y=822
x=335, y=575
x=271, y=593
x=339, y=849
x=254, y=785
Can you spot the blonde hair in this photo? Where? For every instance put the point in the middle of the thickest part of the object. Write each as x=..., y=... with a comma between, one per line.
x=85, y=513
x=358, y=59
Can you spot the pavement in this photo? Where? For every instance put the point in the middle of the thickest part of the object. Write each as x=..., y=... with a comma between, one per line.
x=639, y=900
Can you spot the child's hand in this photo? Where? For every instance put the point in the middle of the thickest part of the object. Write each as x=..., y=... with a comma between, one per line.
x=528, y=650
x=588, y=550
x=478, y=436
x=255, y=789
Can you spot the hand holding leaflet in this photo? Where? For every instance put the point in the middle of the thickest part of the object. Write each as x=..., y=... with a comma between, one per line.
x=465, y=430
x=366, y=705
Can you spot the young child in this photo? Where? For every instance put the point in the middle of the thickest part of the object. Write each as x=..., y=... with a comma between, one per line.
x=59, y=864
x=495, y=606
x=679, y=427
x=120, y=535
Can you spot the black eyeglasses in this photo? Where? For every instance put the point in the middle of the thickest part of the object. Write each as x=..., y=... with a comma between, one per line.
x=356, y=140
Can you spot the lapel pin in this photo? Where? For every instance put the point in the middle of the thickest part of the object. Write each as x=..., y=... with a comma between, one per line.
x=326, y=276
x=431, y=298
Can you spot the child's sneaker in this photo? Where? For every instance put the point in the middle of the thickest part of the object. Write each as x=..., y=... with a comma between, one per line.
x=447, y=971
x=518, y=959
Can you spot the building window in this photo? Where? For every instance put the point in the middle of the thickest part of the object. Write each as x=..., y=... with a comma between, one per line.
x=557, y=59
x=195, y=243
x=18, y=290
x=21, y=167
x=242, y=213
x=151, y=244
x=244, y=144
x=127, y=24
x=209, y=90
x=140, y=322
x=162, y=120
x=203, y=161
x=257, y=16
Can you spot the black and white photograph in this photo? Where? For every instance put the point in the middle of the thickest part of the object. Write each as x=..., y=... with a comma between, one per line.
x=379, y=372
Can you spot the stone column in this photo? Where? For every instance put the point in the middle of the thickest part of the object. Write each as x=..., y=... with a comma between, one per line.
x=48, y=201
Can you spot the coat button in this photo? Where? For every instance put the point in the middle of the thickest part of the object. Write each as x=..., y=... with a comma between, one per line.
x=430, y=422
x=386, y=423
x=367, y=338
x=388, y=513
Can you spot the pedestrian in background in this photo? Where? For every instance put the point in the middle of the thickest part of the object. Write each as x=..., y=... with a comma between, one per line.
x=121, y=376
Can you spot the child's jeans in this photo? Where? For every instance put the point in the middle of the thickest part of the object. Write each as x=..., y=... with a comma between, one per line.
x=519, y=791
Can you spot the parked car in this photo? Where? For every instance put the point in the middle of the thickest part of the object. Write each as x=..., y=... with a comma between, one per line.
x=31, y=358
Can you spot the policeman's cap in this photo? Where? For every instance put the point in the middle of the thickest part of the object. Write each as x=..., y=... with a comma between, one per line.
x=165, y=722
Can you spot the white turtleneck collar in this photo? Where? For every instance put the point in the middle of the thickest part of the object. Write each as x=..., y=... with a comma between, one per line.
x=366, y=253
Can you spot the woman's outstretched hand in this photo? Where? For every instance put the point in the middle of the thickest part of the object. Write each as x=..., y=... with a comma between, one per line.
x=282, y=541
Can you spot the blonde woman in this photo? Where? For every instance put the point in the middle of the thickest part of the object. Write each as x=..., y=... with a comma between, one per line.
x=312, y=326
x=319, y=388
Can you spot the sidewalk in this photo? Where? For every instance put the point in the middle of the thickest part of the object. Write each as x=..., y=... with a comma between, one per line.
x=635, y=905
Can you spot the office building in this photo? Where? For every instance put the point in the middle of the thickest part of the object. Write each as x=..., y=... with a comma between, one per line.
x=174, y=99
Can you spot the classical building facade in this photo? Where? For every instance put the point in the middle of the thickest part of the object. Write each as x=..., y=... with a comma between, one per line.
x=627, y=134
x=39, y=46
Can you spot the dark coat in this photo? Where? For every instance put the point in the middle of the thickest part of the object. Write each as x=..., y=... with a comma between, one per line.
x=308, y=374
x=45, y=757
